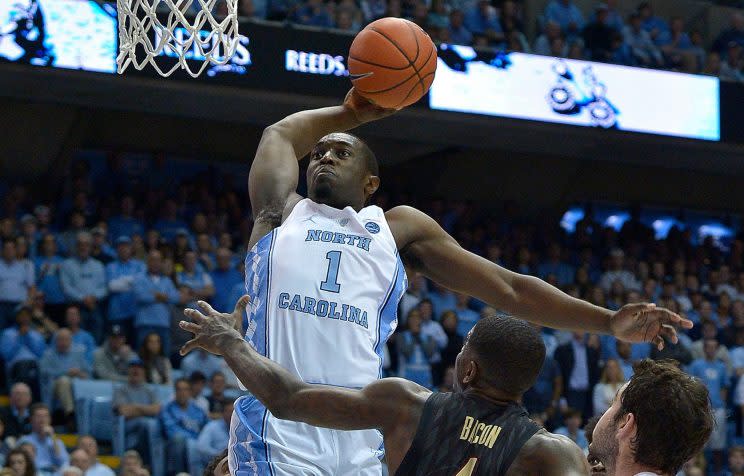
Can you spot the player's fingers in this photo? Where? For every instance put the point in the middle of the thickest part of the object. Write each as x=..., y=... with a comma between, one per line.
x=669, y=333
x=665, y=316
x=240, y=305
x=639, y=307
x=659, y=342
x=208, y=310
x=194, y=315
x=190, y=326
x=189, y=346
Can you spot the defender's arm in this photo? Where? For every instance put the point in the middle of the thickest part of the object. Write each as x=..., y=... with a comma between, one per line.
x=550, y=455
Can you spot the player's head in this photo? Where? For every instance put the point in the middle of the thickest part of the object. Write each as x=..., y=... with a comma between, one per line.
x=659, y=401
x=501, y=354
x=342, y=172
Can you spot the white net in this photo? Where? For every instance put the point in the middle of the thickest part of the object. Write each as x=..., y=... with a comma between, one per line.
x=194, y=33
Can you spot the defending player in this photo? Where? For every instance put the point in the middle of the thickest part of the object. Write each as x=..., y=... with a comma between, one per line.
x=325, y=276
x=480, y=429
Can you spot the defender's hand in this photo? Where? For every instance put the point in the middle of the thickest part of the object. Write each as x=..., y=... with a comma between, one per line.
x=364, y=109
x=213, y=331
x=647, y=323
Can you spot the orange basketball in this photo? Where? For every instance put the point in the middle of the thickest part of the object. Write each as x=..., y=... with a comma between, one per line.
x=392, y=62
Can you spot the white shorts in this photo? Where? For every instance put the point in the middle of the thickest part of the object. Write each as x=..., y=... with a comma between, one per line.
x=262, y=445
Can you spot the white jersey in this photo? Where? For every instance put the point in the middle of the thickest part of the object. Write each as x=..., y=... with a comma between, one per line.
x=324, y=290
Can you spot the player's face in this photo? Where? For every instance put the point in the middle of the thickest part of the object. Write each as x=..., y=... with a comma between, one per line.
x=605, y=444
x=336, y=170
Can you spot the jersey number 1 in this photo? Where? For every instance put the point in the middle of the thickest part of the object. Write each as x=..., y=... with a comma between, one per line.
x=469, y=467
x=331, y=280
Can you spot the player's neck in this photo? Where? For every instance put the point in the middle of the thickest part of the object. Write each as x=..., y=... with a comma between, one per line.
x=626, y=466
x=494, y=396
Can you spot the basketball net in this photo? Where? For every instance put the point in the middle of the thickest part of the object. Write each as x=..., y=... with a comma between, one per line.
x=161, y=28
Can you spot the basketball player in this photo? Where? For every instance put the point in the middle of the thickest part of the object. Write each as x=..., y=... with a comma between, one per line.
x=325, y=275
x=480, y=429
x=658, y=421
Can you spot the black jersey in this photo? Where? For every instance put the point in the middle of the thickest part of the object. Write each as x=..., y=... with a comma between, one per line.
x=465, y=435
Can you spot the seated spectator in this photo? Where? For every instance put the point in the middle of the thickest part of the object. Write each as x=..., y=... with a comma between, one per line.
x=139, y=406
x=125, y=224
x=194, y=281
x=169, y=223
x=16, y=415
x=439, y=15
x=734, y=33
x=131, y=465
x=432, y=329
x=420, y=15
x=95, y=468
x=216, y=398
x=120, y=276
x=544, y=43
x=225, y=276
x=645, y=52
x=157, y=365
x=454, y=340
x=111, y=360
x=17, y=282
x=198, y=382
x=466, y=317
x=51, y=454
x=656, y=27
x=606, y=390
x=313, y=13
x=212, y=440
x=415, y=351
x=100, y=249
x=47, y=265
x=482, y=19
x=182, y=420
x=544, y=397
x=598, y=36
x=566, y=15
x=572, y=429
x=154, y=294
x=354, y=13
x=80, y=337
x=617, y=272
x=83, y=281
x=80, y=460
x=20, y=463
x=201, y=360
x=373, y=9
x=624, y=358
x=458, y=34
x=735, y=461
x=675, y=44
x=510, y=17
x=697, y=349
x=41, y=322
x=21, y=347
x=59, y=365
x=416, y=291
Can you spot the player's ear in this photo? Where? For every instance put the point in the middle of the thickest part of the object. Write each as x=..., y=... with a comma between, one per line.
x=626, y=427
x=373, y=183
x=471, y=372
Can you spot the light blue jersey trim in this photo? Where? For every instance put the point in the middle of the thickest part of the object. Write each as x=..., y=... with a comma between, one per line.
x=387, y=319
x=257, y=285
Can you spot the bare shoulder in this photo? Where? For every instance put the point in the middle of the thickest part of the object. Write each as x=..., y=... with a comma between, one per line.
x=409, y=224
x=549, y=454
x=401, y=400
x=399, y=389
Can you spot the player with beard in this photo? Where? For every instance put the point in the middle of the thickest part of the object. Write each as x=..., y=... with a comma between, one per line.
x=637, y=435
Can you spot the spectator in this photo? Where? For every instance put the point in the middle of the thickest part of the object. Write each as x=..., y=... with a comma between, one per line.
x=157, y=366
x=355, y=19
x=566, y=15
x=656, y=27
x=95, y=468
x=415, y=351
x=169, y=223
x=736, y=461
x=482, y=19
x=580, y=371
x=21, y=463
x=120, y=276
x=47, y=265
x=154, y=293
x=125, y=224
x=439, y=15
x=100, y=249
x=598, y=36
x=17, y=280
x=671, y=351
x=450, y=325
x=196, y=283
x=21, y=348
x=131, y=464
x=373, y=9
x=712, y=372
x=431, y=328
x=41, y=322
x=544, y=396
x=79, y=459
x=212, y=440
x=734, y=33
x=314, y=13
x=617, y=272
x=71, y=471
x=697, y=349
x=643, y=48
x=198, y=382
x=216, y=398
x=139, y=406
x=624, y=358
x=466, y=317
x=59, y=365
x=550, y=36
x=51, y=454
x=510, y=17
x=111, y=360
x=572, y=428
x=182, y=421
x=83, y=281
x=676, y=44
x=610, y=382
x=201, y=360
x=16, y=416
x=225, y=277
x=614, y=18
x=80, y=337
x=458, y=34
x=416, y=291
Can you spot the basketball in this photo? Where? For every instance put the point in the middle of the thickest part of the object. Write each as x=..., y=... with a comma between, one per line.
x=392, y=62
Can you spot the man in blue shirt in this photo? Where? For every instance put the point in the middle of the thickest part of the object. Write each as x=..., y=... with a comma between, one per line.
x=80, y=337
x=182, y=420
x=169, y=223
x=224, y=277
x=482, y=19
x=16, y=281
x=120, y=276
x=563, y=271
x=47, y=264
x=572, y=429
x=51, y=454
x=459, y=35
x=59, y=365
x=84, y=283
x=566, y=14
x=212, y=440
x=466, y=318
x=125, y=224
x=154, y=294
x=712, y=372
x=196, y=282
x=20, y=345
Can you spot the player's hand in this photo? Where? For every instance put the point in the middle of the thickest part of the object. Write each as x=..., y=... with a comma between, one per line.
x=647, y=323
x=364, y=109
x=212, y=330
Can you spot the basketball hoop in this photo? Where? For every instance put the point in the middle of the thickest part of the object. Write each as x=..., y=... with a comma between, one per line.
x=153, y=28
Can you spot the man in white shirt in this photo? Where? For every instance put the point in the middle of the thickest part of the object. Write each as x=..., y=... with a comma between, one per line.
x=636, y=436
x=95, y=468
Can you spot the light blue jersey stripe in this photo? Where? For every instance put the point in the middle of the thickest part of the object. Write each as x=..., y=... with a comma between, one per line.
x=387, y=320
x=257, y=283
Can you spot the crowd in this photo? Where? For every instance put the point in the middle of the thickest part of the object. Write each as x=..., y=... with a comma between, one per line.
x=602, y=34
x=93, y=280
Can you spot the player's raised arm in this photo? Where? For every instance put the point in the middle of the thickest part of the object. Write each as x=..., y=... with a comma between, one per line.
x=274, y=173
x=426, y=247
x=384, y=404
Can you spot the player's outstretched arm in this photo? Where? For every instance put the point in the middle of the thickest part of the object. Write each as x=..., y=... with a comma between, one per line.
x=388, y=404
x=274, y=173
x=427, y=248
x=548, y=454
